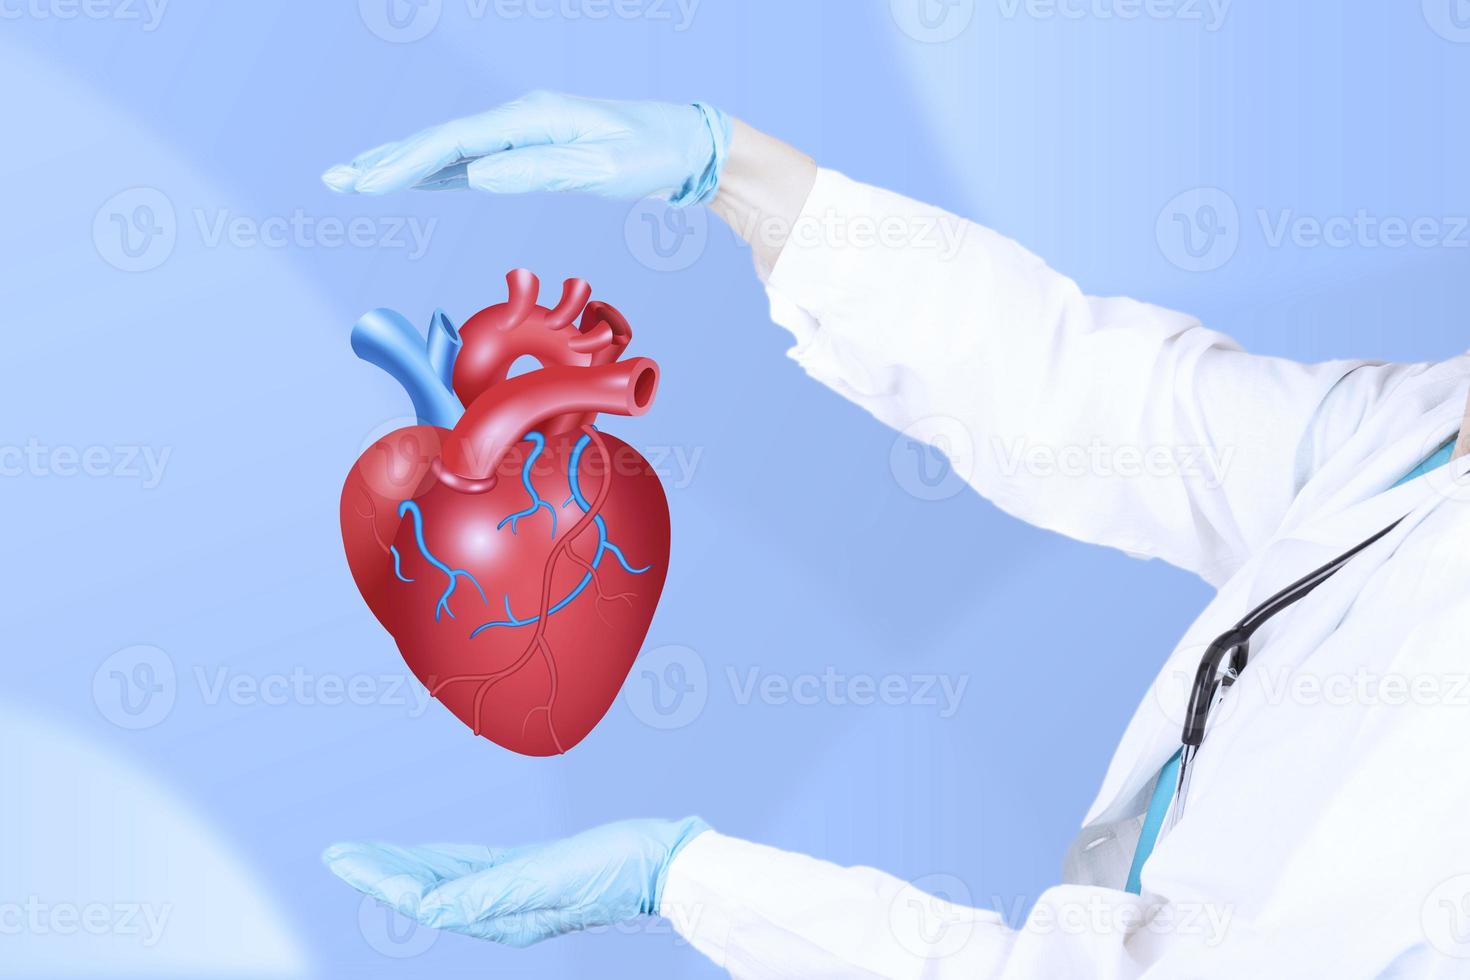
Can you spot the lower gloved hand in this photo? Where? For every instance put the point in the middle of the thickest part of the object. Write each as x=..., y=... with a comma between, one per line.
x=550, y=142
x=522, y=895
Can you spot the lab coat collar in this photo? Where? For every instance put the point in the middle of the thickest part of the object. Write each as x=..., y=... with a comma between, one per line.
x=1351, y=498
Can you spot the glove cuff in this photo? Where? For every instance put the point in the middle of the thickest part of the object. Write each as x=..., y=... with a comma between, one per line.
x=684, y=831
x=701, y=188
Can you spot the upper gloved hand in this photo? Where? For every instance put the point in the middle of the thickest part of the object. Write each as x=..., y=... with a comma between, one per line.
x=550, y=142
x=522, y=895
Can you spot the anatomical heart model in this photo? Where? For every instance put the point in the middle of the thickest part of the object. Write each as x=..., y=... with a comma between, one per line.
x=515, y=552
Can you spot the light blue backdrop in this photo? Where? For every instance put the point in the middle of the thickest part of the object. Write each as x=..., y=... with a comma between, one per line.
x=179, y=407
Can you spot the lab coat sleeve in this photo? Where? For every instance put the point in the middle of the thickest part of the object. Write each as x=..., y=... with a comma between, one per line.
x=762, y=914
x=1108, y=420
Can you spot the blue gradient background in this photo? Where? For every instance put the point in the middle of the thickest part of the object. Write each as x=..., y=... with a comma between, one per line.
x=1070, y=134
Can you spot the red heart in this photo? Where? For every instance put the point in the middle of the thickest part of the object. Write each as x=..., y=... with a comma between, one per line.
x=517, y=554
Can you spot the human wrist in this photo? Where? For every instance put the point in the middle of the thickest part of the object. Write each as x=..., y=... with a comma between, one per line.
x=762, y=191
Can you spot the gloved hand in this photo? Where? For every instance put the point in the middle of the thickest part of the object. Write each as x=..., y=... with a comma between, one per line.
x=551, y=142
x=522, y=895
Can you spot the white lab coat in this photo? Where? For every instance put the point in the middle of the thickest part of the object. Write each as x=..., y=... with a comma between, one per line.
x=1329, y=814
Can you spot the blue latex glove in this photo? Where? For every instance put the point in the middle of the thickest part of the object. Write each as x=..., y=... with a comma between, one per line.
x=551, y=142
x=522, y=895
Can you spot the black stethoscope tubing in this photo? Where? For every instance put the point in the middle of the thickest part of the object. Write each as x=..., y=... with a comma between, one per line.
x=1235, y=643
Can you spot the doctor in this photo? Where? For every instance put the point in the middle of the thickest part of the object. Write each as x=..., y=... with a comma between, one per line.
x=1325, y=823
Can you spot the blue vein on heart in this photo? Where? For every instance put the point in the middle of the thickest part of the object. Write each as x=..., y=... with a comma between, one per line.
x=398, y=563
x=604, y=546
x=454, y=574
x=538, y=444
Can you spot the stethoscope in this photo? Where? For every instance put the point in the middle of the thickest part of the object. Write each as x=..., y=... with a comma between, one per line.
x=1228, y=655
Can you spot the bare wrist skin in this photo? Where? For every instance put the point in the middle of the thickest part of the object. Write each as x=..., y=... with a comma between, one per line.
x=763, y=188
